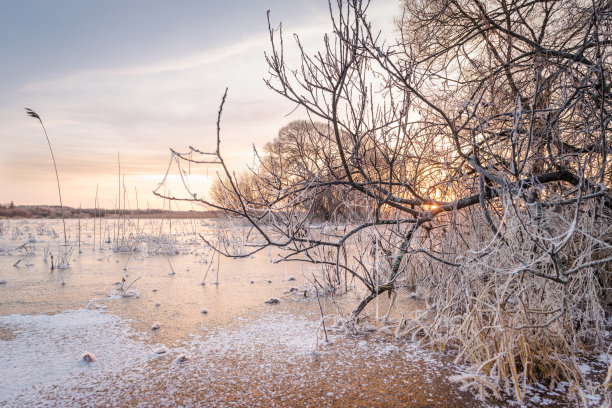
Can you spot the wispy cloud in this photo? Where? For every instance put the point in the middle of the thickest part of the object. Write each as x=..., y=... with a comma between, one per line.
x=184, y=63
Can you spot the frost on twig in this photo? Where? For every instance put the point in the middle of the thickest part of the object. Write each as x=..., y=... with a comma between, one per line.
x=129, y=293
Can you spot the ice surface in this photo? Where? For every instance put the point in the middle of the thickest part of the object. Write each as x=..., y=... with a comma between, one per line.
x=241, y=353
x=47, y=351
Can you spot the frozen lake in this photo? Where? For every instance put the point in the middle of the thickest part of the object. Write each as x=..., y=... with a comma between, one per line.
x=241, y=352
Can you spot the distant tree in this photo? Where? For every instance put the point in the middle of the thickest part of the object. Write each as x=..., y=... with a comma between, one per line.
x=302, y=152
x=222, y=195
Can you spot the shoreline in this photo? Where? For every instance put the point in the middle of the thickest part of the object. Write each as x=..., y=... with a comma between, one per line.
x=54, y=212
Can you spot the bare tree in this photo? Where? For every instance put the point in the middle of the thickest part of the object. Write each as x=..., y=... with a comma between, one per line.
x=474, y=153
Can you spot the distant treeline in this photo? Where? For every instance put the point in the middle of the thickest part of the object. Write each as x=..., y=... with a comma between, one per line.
x=48, y=211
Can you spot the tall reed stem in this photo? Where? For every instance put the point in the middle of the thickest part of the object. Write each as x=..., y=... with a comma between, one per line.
x=33, y=114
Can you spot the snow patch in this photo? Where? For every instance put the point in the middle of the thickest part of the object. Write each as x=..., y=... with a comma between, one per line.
x=47, y=350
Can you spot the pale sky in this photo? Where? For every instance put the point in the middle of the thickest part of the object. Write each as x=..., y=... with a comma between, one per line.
x=139, y=77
